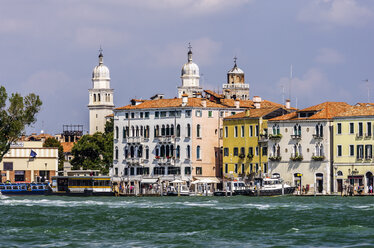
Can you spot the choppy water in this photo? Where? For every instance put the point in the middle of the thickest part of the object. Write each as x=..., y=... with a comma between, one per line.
x=45, y=221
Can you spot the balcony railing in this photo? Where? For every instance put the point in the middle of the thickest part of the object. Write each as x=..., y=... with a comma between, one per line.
x=368, y=135
x=318, y=157
x=296, y=157
x=165, y=139
x=275, y=158
x=236, y=86
x=134, y=160
x=359, y=135
x=296, y=136
x=317, y=136
x=263, y=138
x=275, y=136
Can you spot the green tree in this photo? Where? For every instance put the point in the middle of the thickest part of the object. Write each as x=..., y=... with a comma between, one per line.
x=52, y=142
x=94, y=152
x=15, y=115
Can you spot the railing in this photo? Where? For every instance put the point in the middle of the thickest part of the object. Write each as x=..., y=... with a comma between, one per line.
x=318, y=157
x=296, y=136
x=236, y=86
x=275, y=158
x=296, y=157
x=263, y=138
x=165, y=139
x=134, y=139
x=368, y=135
x=134, y=160
x=317, y=136
x=275, y=136
x=359, y=136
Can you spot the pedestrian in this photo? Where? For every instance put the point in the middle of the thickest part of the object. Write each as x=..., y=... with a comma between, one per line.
x=371, y=189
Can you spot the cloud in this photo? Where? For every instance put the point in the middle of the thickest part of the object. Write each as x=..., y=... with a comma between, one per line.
x=205, y=51
x=336, y=13
x=329, y=56
x=9, y=25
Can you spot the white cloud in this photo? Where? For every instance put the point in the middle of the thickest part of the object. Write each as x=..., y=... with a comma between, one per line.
x=336, y=13
x=204, y=49
x=329, y=56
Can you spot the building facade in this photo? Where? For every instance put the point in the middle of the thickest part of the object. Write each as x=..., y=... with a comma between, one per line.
x=21, y=165
x=300, y=149
x=100, y=97
x=353, y=148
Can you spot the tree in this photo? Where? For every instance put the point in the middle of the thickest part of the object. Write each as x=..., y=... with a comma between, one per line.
x=52, y=142
x=15, y=116
x=94, y=152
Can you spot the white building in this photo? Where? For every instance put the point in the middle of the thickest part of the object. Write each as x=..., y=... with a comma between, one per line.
x=300, y=146
x=100, y=97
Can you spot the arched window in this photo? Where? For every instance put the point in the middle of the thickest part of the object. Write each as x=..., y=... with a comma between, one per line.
x=116, y=132
x=188, y=151
x=147, y=152
x=172, y=129
x=157, y=151
x=321, y=130
x=340, y=173
x=321, y=153
x=278, y=150
x=116, y=153
x=137, y=131
x=171, y=150
x=299, y=130
x=163, y=130
x=178, y=130
x=157, y=131
x=167, y=130
x=146, y=135
x=140, y=151
x=178, y=155
x=132, y=151
x=141, y=131
x=132, y=131
x=167, y=151
x=198, y=152
x=188, y=130
x=126, y=151
x=94, y=97
x=98, y=96
x=162, y=152
x=198, y=130
x=124, y=133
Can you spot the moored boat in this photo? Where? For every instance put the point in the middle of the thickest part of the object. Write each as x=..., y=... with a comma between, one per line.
x=271, y=187
x=24, y=188
x=82, y=185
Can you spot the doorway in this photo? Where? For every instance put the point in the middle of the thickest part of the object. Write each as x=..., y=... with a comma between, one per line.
x=340, y=185
x=369, y=181
x=319, y=182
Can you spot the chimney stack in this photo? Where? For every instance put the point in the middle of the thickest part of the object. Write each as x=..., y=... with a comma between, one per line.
x=247, y=112
x=203, y=103
x=237, y=103
x=257, y=101
x=184, y=100
x=288, y=104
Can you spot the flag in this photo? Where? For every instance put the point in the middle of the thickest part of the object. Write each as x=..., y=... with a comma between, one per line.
x=33, y=154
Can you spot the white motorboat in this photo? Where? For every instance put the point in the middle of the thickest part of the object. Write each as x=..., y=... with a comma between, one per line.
x=270, y=187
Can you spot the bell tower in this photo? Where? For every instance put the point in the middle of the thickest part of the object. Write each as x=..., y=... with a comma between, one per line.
x=100, y=102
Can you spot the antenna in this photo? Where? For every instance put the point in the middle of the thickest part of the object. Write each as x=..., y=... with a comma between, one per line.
x=290, y=86
x=368, y=88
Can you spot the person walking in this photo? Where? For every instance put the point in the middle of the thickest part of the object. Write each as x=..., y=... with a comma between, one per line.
x=371, y=189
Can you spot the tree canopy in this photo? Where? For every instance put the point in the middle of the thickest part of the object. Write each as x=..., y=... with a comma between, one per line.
x=52, y=142
x=16, y=113
x=94, y=152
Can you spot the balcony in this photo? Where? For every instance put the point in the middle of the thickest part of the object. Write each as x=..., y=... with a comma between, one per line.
x=275, y=158
x=317, y=136
x=368, y=135
x=275, y=136
x=134, y=161
x=164, y=161
x=359, y=136
x=296, y=157
x=263, y=138
x=235, y=86
x=318, y=158
x=165, y=139
x=296, y=136
x=134, y=140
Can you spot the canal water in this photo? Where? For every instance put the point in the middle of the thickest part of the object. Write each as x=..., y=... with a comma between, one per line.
x=54, y=221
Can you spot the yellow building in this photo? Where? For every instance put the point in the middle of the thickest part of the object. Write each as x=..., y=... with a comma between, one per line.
x=353, y=146
x=245, y=142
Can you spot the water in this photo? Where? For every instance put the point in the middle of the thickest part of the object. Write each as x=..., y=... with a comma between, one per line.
x=45, y=221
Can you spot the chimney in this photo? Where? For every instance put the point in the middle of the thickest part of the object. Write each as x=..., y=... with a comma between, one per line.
x=257, y=101
x=247, y=112
x=184, y=100
x=203, y=103
x=237, y=103
x=288, y=104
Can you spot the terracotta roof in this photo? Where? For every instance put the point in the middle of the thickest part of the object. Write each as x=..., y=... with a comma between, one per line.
x=253, y=113
x=216, y=95
x=39, y=136
x=326, y=110
x=172, y=103
x=358, y=111
x=67, y=146
x=363, y=104
x=109, y=116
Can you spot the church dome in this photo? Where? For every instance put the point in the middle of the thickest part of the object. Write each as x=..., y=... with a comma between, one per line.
x=190, y=68
x=101, y=71
x=235, y=69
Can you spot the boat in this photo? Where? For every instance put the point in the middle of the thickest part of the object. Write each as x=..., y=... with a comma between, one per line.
x=235, y=187
x=172, y=191
x=82, y=185
x=24, y=188
x=271, y=187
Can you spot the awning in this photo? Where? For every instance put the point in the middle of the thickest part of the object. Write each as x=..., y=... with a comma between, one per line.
x=207, y=180
x=177, y=181
x=149, y=180
x=355, y=177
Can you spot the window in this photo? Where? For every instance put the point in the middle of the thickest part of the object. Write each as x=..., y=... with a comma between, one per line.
x=242, y=129
x=351, y=128
x=226, y=151
x=339, y=152
x=265, y=168
x=256, y=168
x=132, y=115
x=264, y=151
x=236, y=131
x=178, y=154
x=236, y=168
x=157, y=114
x=257, y=130
x=188, y=152
x=163, y=113
x=8, y=166
x=124, y=135
x=368, y=129
x=226, y=132
x=117, y=132
x=250, y=151
x=188, y=113
x=171, y=113
x=360, y=129
x=257, y=151
x=221, y=113
x=198, y=113
x=360, y=151
x=236, y=151
x=351, y=150
x=158, y=170
x=339, y=128
x=199, y=170
x=187, y=170
x=242, y=171
x=226, y=168
x=198, y=152
x=127, y=115
x=210, y=113
x=242, y=151
x=116, y=153
x=178, y=130
x=198, y=131
x=146, y=115
x=188, y=130
x=368, y=151
x=141, y=114
x=250, y=131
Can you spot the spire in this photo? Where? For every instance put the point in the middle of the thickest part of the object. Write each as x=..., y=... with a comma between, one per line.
x=101, y=56
x=189, y=52
x=235, y=58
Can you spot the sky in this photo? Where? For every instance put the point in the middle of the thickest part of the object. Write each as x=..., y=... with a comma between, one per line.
x=50, y=48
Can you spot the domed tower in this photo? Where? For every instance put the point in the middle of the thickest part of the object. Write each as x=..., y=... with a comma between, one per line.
x=100, y=97
x=236, y=88
x=190, y=77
